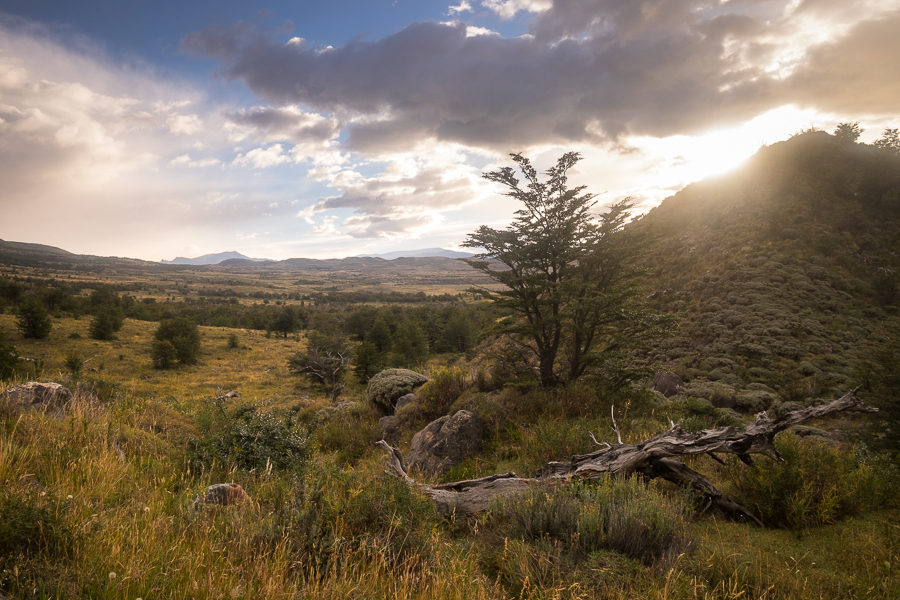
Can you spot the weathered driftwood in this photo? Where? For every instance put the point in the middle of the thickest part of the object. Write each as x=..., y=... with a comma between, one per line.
x=650, y=458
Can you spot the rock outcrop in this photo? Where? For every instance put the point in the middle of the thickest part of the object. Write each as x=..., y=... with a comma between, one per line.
x=445, y=443
x=49, y=396
x=388, y=386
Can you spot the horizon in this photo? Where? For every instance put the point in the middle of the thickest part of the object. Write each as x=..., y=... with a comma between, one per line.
x=338, y=130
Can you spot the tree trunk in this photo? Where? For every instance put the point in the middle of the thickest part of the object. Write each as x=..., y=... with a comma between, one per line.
x=650, y=458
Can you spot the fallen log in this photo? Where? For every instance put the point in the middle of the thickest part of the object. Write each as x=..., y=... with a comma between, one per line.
x=651, y=458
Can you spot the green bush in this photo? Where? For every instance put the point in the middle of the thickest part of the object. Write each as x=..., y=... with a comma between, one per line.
x=178, y=338
x=815, y=485
x=30, y=526
x=9, y=359
x=616, y=513
x=328, y=512
x=247, y=439
x=439, y=394
x=33, y=320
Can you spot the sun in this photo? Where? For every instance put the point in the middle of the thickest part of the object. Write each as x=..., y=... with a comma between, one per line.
x=686, y=158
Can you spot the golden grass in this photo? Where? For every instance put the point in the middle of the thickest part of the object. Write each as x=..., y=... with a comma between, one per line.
x=257, y=368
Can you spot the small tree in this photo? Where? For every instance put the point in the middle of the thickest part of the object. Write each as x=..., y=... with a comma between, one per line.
x=567, y=279
x=33, y=320
x=410, y=345
x=890, y=141
x=848, y=133
x=380, y=334
x=324, y=363
x=176, y=338
x=368, y=361
x=286, y=321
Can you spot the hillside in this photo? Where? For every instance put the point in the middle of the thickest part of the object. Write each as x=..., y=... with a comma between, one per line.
x=783, y=274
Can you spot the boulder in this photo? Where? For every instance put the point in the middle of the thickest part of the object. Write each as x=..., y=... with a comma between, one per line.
x=222, y=494
x=39, y=395
x=404, y=400
x=390, y=428
x=388, y=386
x=667, y=384
x=445, y=443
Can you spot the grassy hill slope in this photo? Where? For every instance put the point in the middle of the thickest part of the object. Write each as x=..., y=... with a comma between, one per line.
x=783, y=274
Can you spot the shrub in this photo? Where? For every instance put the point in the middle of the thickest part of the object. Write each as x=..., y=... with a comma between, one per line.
x=163, y=354
x=616, y=513
x=439, y=394
x=247, y=439
x=815, y=485
x=233, y=342
x=33, y=320
x=9, y=358
x=182, y=335
x=29, y=526
x=387, y=386
x=106, y=323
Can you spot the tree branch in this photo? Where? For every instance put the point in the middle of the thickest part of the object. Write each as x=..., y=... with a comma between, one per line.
x=652, y=458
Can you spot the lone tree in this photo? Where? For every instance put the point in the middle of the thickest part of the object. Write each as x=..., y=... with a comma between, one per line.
x=109, y=317
x=33, y=320
x=569, y=285
x=324, y=363
x=175, y=339
x=848, y=132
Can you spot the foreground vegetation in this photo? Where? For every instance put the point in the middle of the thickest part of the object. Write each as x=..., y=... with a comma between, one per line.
x=79, y=520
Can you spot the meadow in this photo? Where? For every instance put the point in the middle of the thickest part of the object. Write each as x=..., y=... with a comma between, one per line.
x=81, y=519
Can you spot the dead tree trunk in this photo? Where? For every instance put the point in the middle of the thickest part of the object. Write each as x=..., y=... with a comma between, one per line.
x=650, y=458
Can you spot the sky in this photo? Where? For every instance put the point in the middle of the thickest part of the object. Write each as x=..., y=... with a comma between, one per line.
x=300, y=128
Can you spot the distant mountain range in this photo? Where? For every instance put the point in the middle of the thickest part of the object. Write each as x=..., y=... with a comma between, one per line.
x=420, y=253
x=222, y=257
x=210, y=259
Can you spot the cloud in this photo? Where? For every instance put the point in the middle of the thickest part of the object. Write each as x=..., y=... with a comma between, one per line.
x=507, y=9
x=410, y=195
x=458, y=9
x=262, y=158
x=282, y=124
x=590, y=71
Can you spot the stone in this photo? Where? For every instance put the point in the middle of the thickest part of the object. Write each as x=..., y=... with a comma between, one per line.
x=388, y=386
x=667, y=384
x=222, y=494
x=49, y=396
x=390, y=427
x=404, y=400
x=444, y=443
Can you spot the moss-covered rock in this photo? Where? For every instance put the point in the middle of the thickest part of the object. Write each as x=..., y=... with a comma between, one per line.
x=388, y=386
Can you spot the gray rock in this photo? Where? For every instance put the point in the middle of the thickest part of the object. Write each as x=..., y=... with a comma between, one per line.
x=832, y=438
x=390, y=429
x=51, y=397
x=387, y=387
x=404, y=400
x=667, y=384
x=444, y=443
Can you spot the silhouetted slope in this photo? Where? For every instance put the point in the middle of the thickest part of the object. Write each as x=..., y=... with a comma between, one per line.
x=784, y=274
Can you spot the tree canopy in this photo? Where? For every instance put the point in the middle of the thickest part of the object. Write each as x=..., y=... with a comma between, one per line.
x=566, y=276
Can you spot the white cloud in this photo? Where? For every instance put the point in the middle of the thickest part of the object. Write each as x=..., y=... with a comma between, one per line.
x=507, y=9
x=262, y=158
x=462, y=7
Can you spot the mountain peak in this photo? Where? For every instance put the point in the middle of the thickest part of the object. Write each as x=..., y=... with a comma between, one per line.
x=208, y=259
